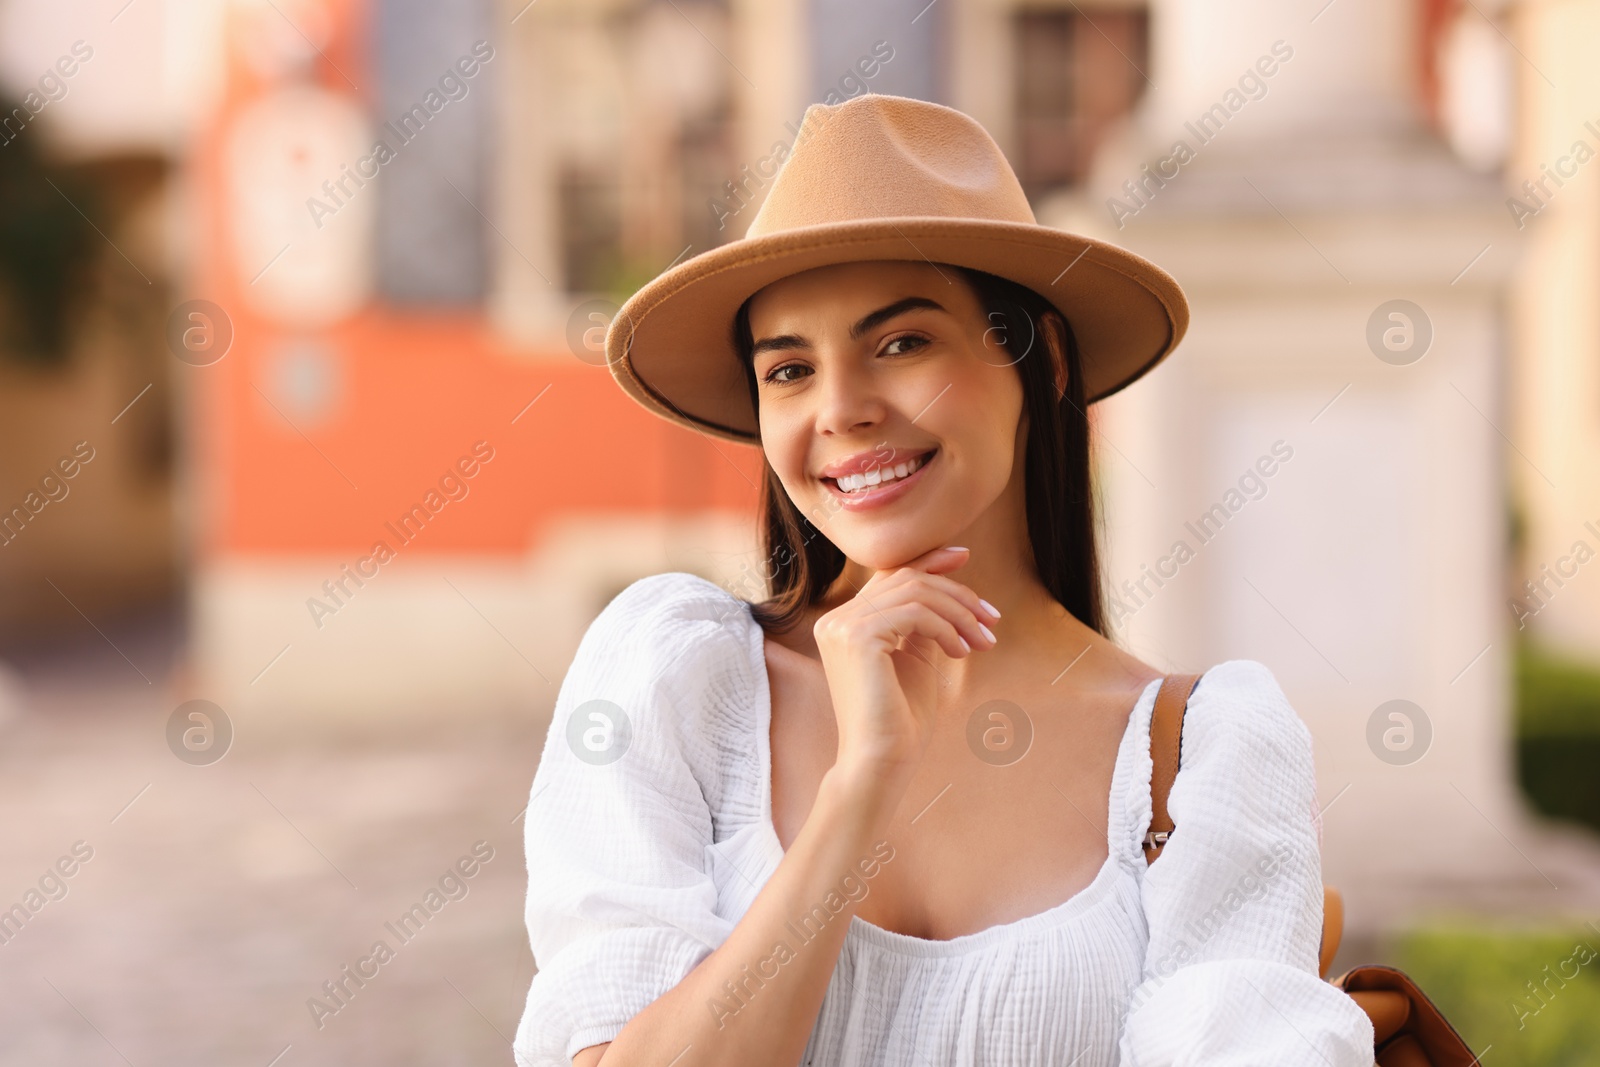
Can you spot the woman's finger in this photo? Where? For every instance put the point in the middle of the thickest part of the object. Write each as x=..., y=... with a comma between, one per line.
x=916, y=618
x=960, y=611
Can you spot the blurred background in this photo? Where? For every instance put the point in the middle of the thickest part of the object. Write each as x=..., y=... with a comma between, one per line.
x=311, y=474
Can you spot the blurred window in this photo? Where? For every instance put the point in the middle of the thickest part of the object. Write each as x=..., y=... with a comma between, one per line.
x=642, y=158
x=1079, y=71
x=434, y=196
x=591, y=234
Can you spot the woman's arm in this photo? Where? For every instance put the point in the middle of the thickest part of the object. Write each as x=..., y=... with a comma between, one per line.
x=726, y=1010
x=877, y=651
x=1234, y=903
x=619, y=903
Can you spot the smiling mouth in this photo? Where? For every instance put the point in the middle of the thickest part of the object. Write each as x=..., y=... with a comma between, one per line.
x=861, y=483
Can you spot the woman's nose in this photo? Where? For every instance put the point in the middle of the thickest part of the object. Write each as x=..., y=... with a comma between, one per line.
x=848, y=399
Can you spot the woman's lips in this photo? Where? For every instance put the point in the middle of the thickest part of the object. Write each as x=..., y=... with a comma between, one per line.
x=879, y=495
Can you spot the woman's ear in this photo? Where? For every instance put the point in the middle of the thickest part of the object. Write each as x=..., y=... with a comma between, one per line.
x=1054, y=330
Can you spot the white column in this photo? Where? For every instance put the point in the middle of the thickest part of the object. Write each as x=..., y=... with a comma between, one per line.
x=1368, y=567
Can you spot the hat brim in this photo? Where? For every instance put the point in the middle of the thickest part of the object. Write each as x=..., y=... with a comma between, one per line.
x=671, y=345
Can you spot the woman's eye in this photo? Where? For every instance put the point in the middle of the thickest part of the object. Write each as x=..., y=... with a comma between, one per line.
x=917, y=342
x=774, y=375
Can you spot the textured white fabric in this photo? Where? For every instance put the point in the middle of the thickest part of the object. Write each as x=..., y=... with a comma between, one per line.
x=639, y=868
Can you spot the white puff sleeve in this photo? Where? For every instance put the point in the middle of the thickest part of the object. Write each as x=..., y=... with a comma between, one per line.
x=620, y=897
x=1234, y=902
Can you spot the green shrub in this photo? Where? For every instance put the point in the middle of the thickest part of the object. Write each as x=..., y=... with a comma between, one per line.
x=1558, y=734
x=1531, y=996
x=1556, y=696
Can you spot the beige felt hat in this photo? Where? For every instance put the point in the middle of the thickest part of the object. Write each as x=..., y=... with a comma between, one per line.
x=884, y=177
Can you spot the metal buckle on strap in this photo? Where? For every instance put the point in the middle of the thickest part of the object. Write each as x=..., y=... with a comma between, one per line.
x=1155, y=839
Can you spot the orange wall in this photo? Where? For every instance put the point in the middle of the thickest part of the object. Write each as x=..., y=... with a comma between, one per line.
x=419, y=391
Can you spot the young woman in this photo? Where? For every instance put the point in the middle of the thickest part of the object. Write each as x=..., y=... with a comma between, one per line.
x=888, y=807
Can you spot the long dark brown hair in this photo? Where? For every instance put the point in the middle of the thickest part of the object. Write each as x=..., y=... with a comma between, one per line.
x=801, y=563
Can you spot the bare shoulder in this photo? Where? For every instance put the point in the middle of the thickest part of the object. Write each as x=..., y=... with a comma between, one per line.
x=1116, y=673
x=799, y=638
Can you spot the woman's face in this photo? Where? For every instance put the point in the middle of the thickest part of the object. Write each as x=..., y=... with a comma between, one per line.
x=877, y=367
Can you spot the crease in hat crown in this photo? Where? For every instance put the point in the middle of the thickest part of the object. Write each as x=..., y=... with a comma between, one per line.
x=882, y=177
x=851, y=159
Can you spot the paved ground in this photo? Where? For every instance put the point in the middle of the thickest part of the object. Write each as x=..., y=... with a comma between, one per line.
x=219, y=898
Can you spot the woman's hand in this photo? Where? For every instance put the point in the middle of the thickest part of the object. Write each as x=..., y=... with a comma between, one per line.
x=882, y=651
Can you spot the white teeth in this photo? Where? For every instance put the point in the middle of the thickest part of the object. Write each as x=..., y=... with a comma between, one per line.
x=855, y=483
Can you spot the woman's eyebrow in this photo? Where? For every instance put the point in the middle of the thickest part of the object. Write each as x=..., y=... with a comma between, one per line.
x=875, y=318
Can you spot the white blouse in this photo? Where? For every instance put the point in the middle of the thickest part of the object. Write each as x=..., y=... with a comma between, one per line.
x=649, y=833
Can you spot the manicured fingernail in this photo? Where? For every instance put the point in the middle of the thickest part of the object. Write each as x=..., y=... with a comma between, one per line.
x=986, y=631
x=990, y=608
x=963, y=641
x=956, y=548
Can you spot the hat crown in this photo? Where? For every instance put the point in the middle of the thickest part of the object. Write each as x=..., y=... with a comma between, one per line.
x=878, y=156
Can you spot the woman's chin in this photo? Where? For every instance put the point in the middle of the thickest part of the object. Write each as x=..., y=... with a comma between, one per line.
x=885, y=553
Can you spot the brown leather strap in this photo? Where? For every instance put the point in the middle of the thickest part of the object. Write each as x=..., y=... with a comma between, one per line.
x=1332, y=928
x=1166, y=740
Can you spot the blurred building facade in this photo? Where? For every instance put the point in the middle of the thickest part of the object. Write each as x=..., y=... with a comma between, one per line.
x=409, y=507
x=88, y=465
x=411, y=221
x=1552, y=207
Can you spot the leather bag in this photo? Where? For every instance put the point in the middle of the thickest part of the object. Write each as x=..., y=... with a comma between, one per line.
x=1408, y=1030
